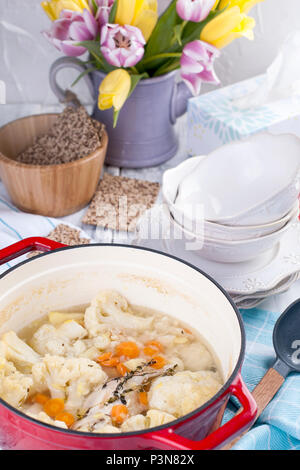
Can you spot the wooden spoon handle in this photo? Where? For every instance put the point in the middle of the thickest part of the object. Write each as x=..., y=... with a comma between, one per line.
x=263, y=394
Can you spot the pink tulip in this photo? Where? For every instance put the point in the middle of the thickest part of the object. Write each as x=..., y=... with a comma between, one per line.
x=72, y=27
x=194, y=10
x=122, y=46
x=197, y=62
x=103, y=11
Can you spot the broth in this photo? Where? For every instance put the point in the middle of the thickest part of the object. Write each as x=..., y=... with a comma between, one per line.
x=108, y=367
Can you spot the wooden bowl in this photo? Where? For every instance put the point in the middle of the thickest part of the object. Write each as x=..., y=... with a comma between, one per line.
x=50, y=190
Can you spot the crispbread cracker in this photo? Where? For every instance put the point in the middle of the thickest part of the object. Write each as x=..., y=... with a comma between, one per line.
x=119, y=202
x=64, y=234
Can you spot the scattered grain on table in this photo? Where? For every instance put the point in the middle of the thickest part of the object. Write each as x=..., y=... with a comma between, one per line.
x=73, y=135
x=119, y=202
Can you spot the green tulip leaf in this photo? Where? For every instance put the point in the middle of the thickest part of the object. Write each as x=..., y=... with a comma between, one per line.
x=177, y=32
x=113, y=12
x=93, y=47
x=161, y=37
x=85, y=72
x=95, y=6
x=116, y=116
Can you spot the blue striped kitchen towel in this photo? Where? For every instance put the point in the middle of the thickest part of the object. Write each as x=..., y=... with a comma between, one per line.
x=278, y=427
x=16, y=225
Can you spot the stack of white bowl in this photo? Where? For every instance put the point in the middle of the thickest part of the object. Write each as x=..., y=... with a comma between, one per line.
x=238, y=201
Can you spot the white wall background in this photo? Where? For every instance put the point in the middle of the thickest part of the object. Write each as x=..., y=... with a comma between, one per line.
x=25, y=56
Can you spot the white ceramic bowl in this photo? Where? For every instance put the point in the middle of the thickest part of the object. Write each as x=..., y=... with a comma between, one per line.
x=171, y=181
x=250, y=182
x=245, y=232
x=227, y=251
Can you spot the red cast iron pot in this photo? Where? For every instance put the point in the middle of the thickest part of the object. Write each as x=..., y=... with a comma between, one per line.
x=69, y=276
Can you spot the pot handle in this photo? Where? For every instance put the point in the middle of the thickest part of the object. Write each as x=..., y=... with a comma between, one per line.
x=168, y=439
x=67, y=96
x=28, y=244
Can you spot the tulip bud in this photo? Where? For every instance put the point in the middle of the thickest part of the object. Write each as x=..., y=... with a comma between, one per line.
x=114, y=90
x=122, y=46
x=194, y=10
x=53, y=8
x=196, y=63
x=227, y=26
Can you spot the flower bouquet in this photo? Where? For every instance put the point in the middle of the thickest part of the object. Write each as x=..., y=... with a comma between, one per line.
x=129, y=42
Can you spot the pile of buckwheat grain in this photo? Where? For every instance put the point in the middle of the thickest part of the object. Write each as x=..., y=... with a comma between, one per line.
x=73, y=135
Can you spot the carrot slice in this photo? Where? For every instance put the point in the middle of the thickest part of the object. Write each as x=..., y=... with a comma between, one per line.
x=107, y=360
x=54, y=406
x=148, y=351
x=129, y=349
x=104, y=357
x=155, y=345
x=143, y=398
x=119, y=413
x=40, y=398
x=152, y=348
x=121, y=369
x=66, y=417
x=158, y=362
x=113, y=362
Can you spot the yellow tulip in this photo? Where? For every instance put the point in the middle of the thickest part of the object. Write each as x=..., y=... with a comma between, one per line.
x=140, y=13
x=216, y=4
x=114, y=90
x=245, y=5
x=54, y=7
x=227, y=26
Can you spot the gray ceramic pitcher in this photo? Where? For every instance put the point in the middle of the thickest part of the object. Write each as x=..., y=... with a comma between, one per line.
x=144, y=135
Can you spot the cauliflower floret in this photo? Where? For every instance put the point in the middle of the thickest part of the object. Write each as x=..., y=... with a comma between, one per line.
x=14, y=386
x=68, y=378
x=79, y=348
x=18, y=351
x=153, y=418
x=195, y=356
x=108, y=428
x=46, y=341
x=42, y=416
x=91, y=353
x=102, y=341
x=167, y=341
x=108, y=309
x=59, y=341
x=71, y=330
x=157, y=418
x=183, y=392
x=2, y=349
x=134, y=423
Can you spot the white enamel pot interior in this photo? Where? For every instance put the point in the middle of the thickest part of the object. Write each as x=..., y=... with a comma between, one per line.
x=72, y=276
